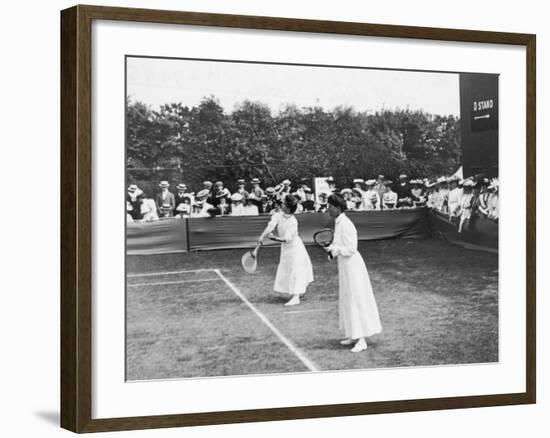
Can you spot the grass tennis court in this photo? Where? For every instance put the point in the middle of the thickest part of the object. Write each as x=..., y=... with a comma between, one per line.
x=199, y=314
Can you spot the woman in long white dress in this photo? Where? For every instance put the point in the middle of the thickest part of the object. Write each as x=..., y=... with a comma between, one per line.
x=358, y=312
x=295, y=271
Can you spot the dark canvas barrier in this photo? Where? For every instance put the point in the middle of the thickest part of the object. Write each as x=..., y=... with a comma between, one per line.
x=158, y=237
x=181, y=235
x=481, y=233
x=242, y=232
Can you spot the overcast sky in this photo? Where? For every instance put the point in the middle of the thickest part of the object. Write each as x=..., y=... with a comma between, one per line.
x=159, y=81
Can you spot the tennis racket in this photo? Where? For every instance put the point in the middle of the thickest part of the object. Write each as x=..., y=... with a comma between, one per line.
x=324, y=238
x=249, y=260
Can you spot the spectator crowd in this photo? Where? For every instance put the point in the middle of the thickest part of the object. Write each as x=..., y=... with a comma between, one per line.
x=458, y=199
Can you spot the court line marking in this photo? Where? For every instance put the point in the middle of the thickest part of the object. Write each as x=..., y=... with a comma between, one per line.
x=160, y=283
x=297, y=352
x=307, y=311
x=152, y=274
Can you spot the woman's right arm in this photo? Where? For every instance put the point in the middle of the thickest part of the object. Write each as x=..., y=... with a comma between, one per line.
x=269, y=228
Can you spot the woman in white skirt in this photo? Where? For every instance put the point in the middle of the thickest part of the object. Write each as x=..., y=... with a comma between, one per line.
x=294, y=272
x=358, y=312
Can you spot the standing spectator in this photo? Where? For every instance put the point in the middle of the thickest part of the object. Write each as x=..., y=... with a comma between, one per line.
x=431, y=197
x=466, y=203
x=283, y=190
x=180, y=196
x=358, y=185
x=331, y=184
x=221, y=193
x=271, y=200
x=256, y=195
x=299, y=206
x=309, y=203
x=442, y=195
x=166, y=203
x=455, y=193
x=492, y=201
x=403, y=191
x=481, y=200
x=389, y=198
x=134, y=199
x=241, y=184
x=201, y=206
x=371, y=199
x=380, y=186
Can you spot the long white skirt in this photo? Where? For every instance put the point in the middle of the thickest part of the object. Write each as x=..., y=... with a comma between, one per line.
x=358, y=312
x=295, y=271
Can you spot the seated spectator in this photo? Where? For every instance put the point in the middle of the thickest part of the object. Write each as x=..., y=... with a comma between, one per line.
x=165, y=201
x=357, y=199
x=309, y=203
x=184, y=208
x=201, y=206
x=237, y=207
x=389, y=198
x=417, y=193
x=134, y=199
x=299, y=206
x=322, y=203
x=430, y=194
x=347, y=195
x=371, y=199
x=149, y=210
x=129, y=208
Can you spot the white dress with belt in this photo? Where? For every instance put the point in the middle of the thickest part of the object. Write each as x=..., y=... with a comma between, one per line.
x=295, y=271
x=358, y=312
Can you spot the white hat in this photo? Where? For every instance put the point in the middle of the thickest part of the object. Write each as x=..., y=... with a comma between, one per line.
x=330, y=179
x=286, y=182
x=358, y=181
x=132, y=187
x=164, y=184
x=370, y=182
x=181, y=186
x=346, y=190
x=468, y=183
x=236, y=197
x=203, y=193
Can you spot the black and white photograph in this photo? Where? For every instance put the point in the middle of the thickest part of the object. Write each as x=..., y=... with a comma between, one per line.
x=294, y=218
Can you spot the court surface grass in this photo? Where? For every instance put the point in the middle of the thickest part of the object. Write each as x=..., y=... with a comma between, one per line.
x=438, y=305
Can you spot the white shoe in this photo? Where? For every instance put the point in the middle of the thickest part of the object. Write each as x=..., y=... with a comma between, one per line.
x=346, y=341
x=360, y=345
x=295, y=300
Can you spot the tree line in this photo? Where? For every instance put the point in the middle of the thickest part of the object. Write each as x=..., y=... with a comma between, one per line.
x=191, y=144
